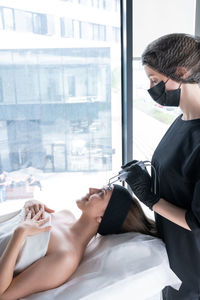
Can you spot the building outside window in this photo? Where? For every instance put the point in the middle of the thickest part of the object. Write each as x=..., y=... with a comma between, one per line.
x=8, y=18
x=71, y=86
x=86, y=30
x=1, y=91
x=40, y=23
x=95, y=3
x=115, y=34
x=150, y=120
x=116, y=5
x=23, y=21
x=67, y=27
x=60, y=101
x=99, y=32
x=1, y=19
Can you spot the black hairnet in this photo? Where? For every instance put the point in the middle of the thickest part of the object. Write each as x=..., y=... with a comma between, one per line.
x=170, y=52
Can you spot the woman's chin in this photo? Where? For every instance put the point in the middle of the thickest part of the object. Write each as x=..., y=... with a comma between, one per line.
x=78, y=203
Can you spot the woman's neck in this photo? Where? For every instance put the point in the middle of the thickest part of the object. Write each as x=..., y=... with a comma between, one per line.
x=84, y=229
x=190, y=101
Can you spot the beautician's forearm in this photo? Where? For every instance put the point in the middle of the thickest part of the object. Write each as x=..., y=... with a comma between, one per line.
x=8, y=259
x=171, y=212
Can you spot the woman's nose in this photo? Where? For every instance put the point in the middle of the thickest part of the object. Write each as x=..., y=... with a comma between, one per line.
x=151, y=84
x=93, y=190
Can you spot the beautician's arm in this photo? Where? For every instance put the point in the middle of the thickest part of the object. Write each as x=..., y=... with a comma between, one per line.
x=140, y=182
x=171, y=212
x=8, y=259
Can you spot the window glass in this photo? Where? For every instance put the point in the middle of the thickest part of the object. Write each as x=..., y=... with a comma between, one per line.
x=152, y=19
x=150, y=120
x=86, y=31
x=8, y=93
x=8, y=18
x=51, y=26
x=1, y=19
x=23, y=21
x=67, y=28
x=40, y=23
x=60, y=101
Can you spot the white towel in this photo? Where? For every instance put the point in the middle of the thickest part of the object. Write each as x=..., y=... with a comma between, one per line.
x=33, y=248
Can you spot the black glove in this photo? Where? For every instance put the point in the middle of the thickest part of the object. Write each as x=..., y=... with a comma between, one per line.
x=126, y=166
x=139, y=180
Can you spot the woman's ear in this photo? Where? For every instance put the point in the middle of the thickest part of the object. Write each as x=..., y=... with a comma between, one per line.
x=99, y=219
x=182, y=72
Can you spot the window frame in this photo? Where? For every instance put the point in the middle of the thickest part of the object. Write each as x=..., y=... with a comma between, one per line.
x=197, y=18
x=126, y=14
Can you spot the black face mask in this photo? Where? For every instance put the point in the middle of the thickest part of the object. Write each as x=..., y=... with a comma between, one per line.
x=159, y=94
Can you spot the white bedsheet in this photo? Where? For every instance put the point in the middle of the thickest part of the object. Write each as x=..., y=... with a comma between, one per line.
x=126, y=266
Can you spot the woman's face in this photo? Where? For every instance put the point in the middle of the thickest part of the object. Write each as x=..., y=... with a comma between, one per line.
x=155, y=77
x=94, y=203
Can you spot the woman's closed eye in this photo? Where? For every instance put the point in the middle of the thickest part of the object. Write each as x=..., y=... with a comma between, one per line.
x=102, y=193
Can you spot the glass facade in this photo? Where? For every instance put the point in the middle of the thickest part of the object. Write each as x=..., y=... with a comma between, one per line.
x=151, y=120
x=63, y=104
x=60, y=96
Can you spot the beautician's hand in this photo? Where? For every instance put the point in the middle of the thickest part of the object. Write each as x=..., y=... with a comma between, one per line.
x=130, y=163
x=31, y=226
x=140, y=182
x=34, y=206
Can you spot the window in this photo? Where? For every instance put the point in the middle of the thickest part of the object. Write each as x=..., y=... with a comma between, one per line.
x=23, y=21
x=51, y=85
x=116, y=5
x=83, y=2
x=1, y=19
x=95, y=31
x=71, y=86
x=60, y=98
x=96, y=3
x=99, y=32
x=150, y=119
x=8, y=16
x=40, y=23
x=8, y=93
x=86, y=30
x=102, y=32
x=104, y=6
x=1, y=91
x=67, y=27
x=50, y=25
x=116, y=34
x=26, y=80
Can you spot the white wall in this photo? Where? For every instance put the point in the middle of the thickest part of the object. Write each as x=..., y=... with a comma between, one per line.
x=154, y=18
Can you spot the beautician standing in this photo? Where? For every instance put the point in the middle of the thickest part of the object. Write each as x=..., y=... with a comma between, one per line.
x=172, y=64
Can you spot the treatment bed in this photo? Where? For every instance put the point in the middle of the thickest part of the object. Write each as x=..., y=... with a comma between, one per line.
x=124, y=266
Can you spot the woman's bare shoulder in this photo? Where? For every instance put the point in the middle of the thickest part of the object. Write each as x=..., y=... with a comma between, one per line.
x=65, y=212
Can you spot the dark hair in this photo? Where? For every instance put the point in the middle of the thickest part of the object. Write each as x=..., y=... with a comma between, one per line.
x=137, y=221
x=171, y=51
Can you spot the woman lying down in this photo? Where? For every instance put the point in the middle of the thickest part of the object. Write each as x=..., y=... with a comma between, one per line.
x=62, y=244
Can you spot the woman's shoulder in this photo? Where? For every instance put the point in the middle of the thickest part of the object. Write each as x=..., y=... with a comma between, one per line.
x=66, y=213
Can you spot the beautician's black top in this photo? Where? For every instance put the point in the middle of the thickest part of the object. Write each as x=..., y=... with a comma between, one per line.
x=177, y=162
